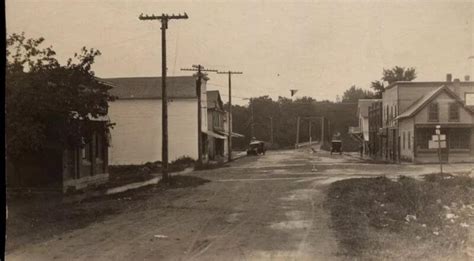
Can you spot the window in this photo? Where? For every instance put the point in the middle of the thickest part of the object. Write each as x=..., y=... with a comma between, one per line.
x=459, y=138
x=423, y=135
x=433, y=112
x=99, y=147
x=454, y=111
x=403, y=140
x=409, y=140
x=86, y=152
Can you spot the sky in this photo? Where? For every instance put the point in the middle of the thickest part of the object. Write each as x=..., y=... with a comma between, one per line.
x=320, y=48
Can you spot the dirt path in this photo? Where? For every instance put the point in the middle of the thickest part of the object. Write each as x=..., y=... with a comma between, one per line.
x=260, y=208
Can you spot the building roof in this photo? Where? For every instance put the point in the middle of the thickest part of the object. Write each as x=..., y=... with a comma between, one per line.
x=424, y=100
x=428, y=83
x=150, y=87
x=214, y=100
x=363, y=106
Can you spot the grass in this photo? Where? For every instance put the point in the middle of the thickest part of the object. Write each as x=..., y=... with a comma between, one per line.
x=125, y=174
x=378, y=218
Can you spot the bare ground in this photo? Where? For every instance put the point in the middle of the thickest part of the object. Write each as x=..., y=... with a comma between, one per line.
x=259, y=208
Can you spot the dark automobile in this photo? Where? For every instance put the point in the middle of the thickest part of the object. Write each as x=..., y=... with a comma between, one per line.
x=336, y=146
x=256, y=148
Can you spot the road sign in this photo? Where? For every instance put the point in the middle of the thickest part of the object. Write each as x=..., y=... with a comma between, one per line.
x=441, y=137
x=434, y=144
x=438, y=131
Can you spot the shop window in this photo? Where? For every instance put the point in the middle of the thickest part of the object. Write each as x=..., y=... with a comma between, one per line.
x=99, y=150
x=403, y=137
x=423, y=136
x=454, y=111
x=409, y=140
x=459, y=138
x=86, y=152
x=433, y=112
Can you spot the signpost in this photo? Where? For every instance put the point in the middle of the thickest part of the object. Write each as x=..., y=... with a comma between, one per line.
x=438, y=141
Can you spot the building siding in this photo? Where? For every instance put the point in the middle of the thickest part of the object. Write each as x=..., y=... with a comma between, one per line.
x=136, y=137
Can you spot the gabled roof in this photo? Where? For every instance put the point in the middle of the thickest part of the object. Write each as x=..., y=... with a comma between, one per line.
x=363, y=106
x=150, y=87
x=424, y=100
x=214, y=100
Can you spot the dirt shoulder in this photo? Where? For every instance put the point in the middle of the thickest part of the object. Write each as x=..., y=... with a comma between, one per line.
x=405, y=219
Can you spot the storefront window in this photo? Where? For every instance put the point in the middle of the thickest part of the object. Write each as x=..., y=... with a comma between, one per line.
x=459, y=138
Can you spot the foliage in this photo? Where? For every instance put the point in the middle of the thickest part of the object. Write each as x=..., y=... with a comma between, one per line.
x=353, y=94
x=397, y=73
x=46, y=101
x=284, y=113
x=367, y=213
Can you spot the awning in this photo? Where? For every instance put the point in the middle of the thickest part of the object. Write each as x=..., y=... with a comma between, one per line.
x=234, y=134
x=215, y=135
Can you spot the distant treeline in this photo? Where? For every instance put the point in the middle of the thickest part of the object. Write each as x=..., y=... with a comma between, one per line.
x=284, y=112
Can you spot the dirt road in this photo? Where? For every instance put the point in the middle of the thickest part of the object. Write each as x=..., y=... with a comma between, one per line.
x=259, y=208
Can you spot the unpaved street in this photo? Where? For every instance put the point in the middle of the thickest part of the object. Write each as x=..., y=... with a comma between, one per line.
x=259, y=208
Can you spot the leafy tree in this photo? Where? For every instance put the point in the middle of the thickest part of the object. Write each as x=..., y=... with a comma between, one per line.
x=399, y=73
x=46, y=101
x=354, y=93
x=390, y=76
x=378, y=87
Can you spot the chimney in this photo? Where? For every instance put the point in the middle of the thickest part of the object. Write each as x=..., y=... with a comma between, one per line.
x=449, y=77
x=467, y=78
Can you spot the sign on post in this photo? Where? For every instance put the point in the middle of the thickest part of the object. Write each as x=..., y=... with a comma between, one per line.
x=434, y=144
x=441, y=137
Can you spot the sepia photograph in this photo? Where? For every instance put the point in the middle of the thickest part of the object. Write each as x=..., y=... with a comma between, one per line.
x=239, y=130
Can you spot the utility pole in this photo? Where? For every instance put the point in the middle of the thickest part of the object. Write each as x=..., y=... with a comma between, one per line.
x=271, y=130
x=229, y=139
x=164, y=18
x=252, y=133
x=200, y=75
x=322, y=131
x=309, y=132
x=297, y=131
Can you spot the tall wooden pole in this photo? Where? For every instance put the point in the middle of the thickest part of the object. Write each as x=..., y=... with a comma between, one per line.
x=297, y=132
x=164, y=18
x=322, y=131
x=200, y=69
x=229, y=122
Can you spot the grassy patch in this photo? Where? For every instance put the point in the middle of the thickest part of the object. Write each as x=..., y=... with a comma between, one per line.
x=404, y=219
x=183, y=181
x=125, y=174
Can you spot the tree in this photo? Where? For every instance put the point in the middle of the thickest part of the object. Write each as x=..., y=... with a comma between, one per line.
x=378, y=87
x=46, y=101
x=399, y=73
x=390, y=76
x=353, y=94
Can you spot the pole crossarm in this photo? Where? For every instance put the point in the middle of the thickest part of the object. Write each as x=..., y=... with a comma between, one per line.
x=228, y=72
x=163, y=16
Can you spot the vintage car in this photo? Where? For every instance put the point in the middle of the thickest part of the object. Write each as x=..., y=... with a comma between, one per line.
x=256, y=148
x=336, y=146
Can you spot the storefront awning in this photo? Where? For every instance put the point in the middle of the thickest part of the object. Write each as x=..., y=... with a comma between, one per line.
x=234, y=134
x=215, y=135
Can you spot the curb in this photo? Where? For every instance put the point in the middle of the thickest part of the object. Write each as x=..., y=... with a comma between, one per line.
x=120, y=189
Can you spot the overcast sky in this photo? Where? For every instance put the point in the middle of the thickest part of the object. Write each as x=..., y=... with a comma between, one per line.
x=320, y=48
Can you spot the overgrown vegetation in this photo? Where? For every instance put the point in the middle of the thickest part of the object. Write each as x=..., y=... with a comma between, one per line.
x=123, y=174
x=404, y=219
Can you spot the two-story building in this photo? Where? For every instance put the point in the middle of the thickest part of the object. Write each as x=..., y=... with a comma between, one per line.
x=362, y=133
x=218, y=128
x=412, y=110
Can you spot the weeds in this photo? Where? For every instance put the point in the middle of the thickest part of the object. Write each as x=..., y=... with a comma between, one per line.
x=438, y=210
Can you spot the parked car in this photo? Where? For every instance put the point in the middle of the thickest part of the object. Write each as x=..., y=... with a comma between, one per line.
x=336, y=146
x=256, y=148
